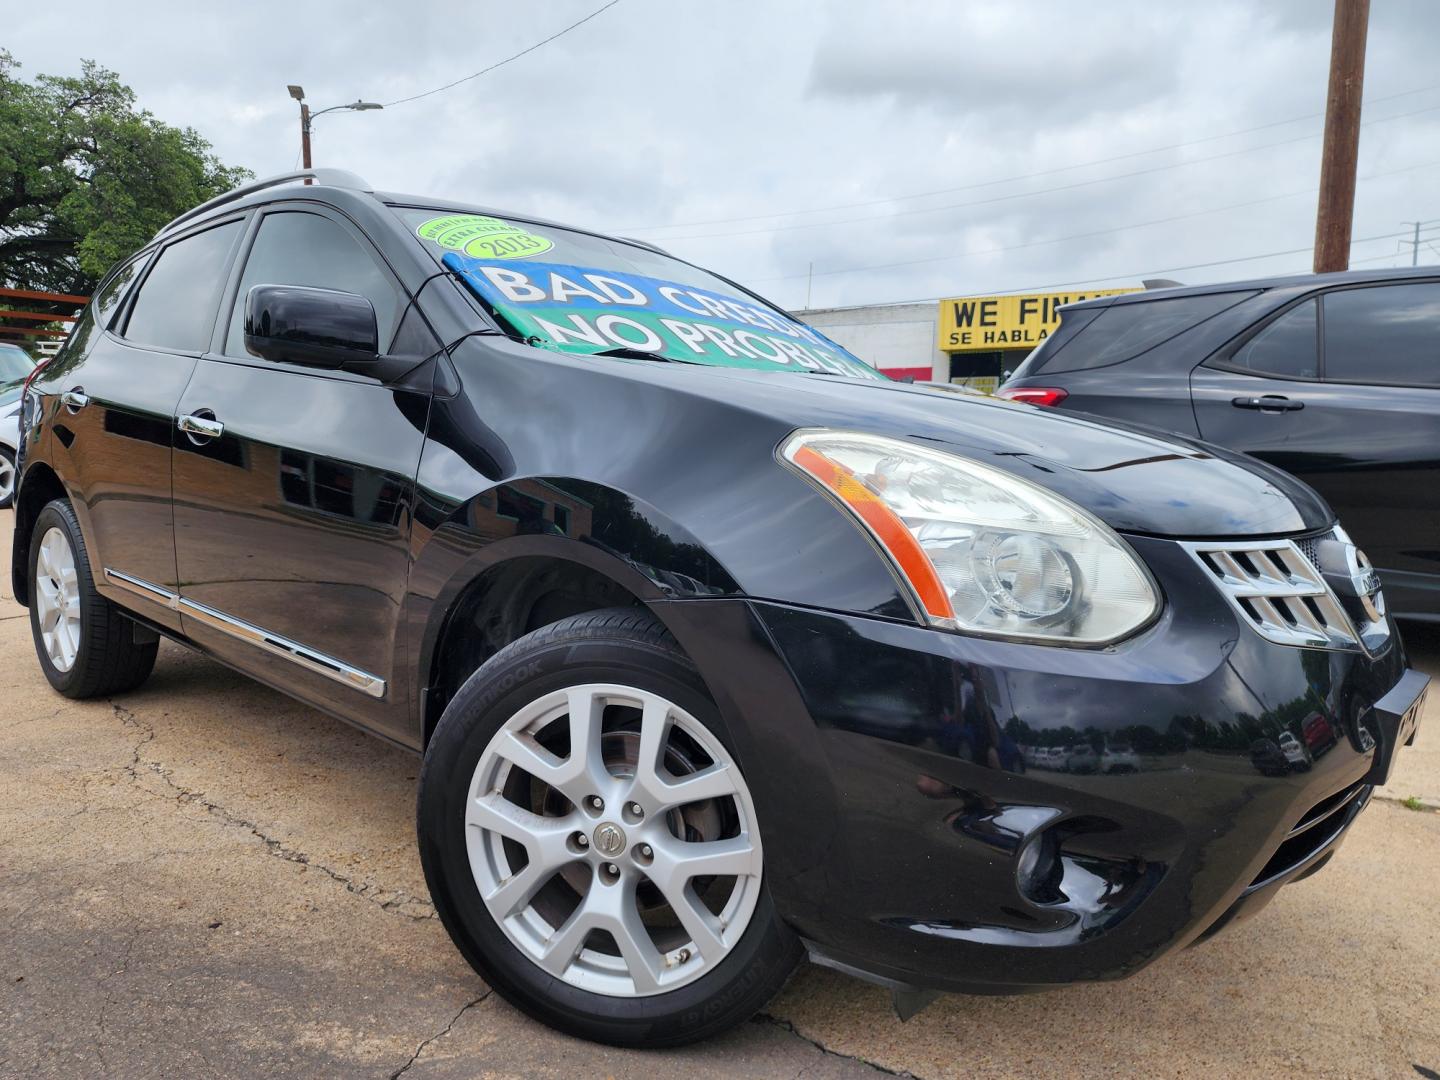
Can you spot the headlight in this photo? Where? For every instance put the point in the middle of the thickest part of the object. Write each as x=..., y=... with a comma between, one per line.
x=981, y=550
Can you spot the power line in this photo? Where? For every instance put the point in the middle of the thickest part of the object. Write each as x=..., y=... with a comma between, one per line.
x=1017, y=194
x=1145, y=273
x=508, y=59
x=1376, y=258
x=1076, y=236
x=1034, y=175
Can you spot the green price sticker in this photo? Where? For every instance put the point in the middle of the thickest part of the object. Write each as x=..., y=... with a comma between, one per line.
x=483, y=237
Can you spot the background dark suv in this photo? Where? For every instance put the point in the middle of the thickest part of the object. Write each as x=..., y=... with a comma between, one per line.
x=1334, y=378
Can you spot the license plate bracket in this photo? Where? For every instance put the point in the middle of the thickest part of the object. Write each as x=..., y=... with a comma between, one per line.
x=1393, y=720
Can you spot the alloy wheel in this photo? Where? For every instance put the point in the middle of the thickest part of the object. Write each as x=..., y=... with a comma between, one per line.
x=57, y=598
x=7, y=480
x=613, y=840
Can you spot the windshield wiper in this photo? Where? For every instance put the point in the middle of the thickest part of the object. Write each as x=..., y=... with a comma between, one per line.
x=641, y=354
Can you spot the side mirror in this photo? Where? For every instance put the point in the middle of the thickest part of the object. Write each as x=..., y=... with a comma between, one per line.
x=320, y=328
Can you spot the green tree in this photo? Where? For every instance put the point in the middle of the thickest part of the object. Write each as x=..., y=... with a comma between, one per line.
x=86, y=177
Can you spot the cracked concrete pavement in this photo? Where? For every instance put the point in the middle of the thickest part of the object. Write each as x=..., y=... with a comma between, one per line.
x=206, y=879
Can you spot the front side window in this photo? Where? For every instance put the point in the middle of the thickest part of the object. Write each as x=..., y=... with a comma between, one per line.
x=1285, y=349
x=1388, y=335
x=298, y=248
x=558, y=289
x=175, y=308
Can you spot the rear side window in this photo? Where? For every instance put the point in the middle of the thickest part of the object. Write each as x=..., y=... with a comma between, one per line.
x=1286, y=348
x=175, y=308
x=1122, y=332
x=1387, y=335
x=107, y=300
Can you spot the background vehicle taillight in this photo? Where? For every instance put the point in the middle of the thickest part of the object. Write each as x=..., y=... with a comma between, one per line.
x=34, y=372
x=25, y=400
x=1034, y=395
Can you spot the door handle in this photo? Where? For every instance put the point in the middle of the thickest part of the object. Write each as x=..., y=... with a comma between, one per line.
x=75, y=399
x=201, y=427
x=1272, y=403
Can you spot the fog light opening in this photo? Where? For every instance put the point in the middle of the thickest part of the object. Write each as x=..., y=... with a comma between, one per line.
x=1038, y=870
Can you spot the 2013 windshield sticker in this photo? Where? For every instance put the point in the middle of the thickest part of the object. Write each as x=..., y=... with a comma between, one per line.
x=484, y=237
x=586, y=310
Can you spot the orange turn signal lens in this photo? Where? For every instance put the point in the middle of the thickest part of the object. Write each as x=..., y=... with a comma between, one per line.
x=884, y=525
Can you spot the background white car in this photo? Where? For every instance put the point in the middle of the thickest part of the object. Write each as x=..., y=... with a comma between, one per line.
x=15, y=368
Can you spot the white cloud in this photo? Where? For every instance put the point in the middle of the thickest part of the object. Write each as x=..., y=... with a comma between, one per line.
x=675, y=113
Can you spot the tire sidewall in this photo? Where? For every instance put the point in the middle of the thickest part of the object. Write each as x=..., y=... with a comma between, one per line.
x=731, y=992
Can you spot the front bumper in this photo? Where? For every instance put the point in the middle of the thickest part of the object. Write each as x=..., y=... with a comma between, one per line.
x=900, y=772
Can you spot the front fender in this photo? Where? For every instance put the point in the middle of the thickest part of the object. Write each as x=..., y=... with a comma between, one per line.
x=559, y=519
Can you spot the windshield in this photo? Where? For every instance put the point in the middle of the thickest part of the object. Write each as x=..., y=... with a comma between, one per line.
x=15, y=364
x=569, y=291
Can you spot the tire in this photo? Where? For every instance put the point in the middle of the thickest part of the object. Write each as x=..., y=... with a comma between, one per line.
x=620, y=667
x=106, y=658
x=7, y=477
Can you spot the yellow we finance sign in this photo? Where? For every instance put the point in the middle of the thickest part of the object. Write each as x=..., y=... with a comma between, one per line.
x=988, y=323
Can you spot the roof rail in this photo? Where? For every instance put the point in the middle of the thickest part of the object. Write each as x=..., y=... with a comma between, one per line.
x=329, y=177
x=646, y=244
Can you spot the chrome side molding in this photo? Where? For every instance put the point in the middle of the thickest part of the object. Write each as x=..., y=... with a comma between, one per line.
x=274, y=644
x=144, y=588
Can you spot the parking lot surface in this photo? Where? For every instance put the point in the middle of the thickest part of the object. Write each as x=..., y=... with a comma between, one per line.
x=206, y=879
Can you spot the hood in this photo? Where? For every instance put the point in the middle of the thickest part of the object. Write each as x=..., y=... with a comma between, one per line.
x=1136, y=480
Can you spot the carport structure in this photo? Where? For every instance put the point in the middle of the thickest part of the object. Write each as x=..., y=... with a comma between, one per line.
x=20, y=317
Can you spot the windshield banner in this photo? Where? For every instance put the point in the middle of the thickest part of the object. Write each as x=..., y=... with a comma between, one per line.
x=585, y=310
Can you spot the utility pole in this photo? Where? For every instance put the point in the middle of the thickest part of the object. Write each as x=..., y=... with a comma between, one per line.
x=1342, y=136
x=1414, y=244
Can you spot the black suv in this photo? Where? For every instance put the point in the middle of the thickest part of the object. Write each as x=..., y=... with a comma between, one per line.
x=1332, y=377
x=721, y=649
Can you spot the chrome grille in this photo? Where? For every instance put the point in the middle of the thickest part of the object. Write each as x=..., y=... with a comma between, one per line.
x=1277, y=589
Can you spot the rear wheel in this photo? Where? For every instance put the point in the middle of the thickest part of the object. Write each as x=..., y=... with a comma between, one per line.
x=86, y=645
x=591, y=844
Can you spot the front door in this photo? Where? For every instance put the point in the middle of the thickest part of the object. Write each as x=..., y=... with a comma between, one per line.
x=292, y=523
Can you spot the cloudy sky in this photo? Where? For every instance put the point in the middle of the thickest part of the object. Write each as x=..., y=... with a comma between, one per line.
x=904, y=150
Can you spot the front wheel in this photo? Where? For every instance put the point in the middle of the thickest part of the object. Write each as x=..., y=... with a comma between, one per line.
x=591, y=844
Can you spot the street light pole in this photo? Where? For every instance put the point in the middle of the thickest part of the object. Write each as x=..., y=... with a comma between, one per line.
x=305, y=133
x=306, y=116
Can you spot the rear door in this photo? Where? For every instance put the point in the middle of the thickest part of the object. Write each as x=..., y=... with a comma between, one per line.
x=119, y=384
x=292, y=526
x=1264, y=395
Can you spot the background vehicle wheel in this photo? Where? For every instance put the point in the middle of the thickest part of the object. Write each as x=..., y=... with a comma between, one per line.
x=7, y=477
x=590, y=843
x=86, y=646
